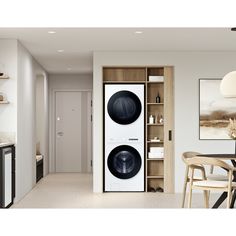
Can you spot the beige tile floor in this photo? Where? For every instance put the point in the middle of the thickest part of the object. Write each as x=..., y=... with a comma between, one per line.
x=74, y=190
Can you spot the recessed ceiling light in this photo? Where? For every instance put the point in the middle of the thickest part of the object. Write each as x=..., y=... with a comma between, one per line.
x=138, y=32
x=60, y=50
x=69, y=68
x=51, y=32
x=233, y=29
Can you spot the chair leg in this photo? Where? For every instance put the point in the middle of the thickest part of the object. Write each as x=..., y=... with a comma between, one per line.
x=206, y=198
x=229, y=189
x=185, y=186
x=205, y=192
x=190, y=188
x=209, y=193
x=229, y=198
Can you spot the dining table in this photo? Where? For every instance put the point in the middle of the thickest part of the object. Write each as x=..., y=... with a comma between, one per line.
x=223, y=196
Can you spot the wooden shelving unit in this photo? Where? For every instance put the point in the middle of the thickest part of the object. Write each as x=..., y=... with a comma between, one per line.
x=159, y=172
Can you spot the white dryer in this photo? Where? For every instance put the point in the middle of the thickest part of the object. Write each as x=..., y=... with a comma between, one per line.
x=124, y=137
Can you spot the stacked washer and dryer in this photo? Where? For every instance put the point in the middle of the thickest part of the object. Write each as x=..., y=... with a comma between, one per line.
x=124, y=137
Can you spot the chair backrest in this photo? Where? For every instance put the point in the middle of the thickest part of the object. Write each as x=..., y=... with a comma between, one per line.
x=190, y=154
x=209, y=161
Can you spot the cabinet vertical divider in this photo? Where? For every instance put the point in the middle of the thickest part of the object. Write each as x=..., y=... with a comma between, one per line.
x=146, y=144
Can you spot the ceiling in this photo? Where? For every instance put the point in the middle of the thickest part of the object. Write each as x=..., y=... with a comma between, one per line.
x=79, y=43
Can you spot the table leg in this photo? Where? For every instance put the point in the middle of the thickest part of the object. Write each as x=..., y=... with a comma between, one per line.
x=234, y=180
x=233, y=200
x=222, y=197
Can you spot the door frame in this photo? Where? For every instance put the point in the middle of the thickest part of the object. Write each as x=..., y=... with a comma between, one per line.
x=52, y=163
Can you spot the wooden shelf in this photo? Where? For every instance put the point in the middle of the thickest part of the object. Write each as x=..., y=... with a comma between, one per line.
x=4, y=102
x=154, y=103
x=123, y=82
x=155, y=177
x=155, y=159
x=155, y=82
x=155, y=124
x=161, y=142
x=4, y=77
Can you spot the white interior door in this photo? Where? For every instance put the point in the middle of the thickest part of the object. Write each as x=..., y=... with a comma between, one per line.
x=68, y=131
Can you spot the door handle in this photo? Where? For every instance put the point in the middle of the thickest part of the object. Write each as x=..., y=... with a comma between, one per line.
x=170, y=135
x=60, y=134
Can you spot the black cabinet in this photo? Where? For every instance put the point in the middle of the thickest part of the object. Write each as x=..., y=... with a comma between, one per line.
x=7, y=176
x=39, y=170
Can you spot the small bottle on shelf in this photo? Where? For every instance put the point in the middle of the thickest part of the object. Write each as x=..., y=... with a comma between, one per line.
x=158, y=98
x=151, y=119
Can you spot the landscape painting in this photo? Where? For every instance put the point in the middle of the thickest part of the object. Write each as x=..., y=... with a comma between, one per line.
x=215, y=110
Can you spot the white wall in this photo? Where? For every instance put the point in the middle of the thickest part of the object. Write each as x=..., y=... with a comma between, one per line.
x=39, y=112
x=17, y=119
x=8, y=63
x=70, y=81
x=27, y=69
x=45, y=144
x=189, y=67
x=65, y=82
x=42, y=119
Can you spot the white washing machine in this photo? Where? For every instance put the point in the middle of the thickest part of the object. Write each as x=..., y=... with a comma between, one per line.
x=124, y=137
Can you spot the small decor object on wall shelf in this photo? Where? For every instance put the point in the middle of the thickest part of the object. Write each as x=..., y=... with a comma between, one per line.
x=215, y=111
x=3, y=76
x=3, y=99
x=2, y=72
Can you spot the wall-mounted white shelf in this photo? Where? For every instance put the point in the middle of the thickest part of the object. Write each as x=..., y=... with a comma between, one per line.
x=4, y=77
x=4, y=102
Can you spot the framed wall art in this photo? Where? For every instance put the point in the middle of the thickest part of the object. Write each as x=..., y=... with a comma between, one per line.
x=215, y=111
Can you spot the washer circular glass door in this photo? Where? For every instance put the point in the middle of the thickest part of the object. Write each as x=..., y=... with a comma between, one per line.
x=124, y=162
x=124, y=107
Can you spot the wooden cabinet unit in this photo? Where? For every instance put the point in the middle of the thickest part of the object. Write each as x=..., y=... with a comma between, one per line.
x=159, y=156
x=124, y=74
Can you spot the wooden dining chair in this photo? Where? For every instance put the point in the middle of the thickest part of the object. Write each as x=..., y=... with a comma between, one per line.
x=210, y=185
x=210, y=176
x=185, y=157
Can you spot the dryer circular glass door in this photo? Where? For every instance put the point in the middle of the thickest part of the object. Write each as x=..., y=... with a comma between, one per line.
x=124, y=162
x=124, y=107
